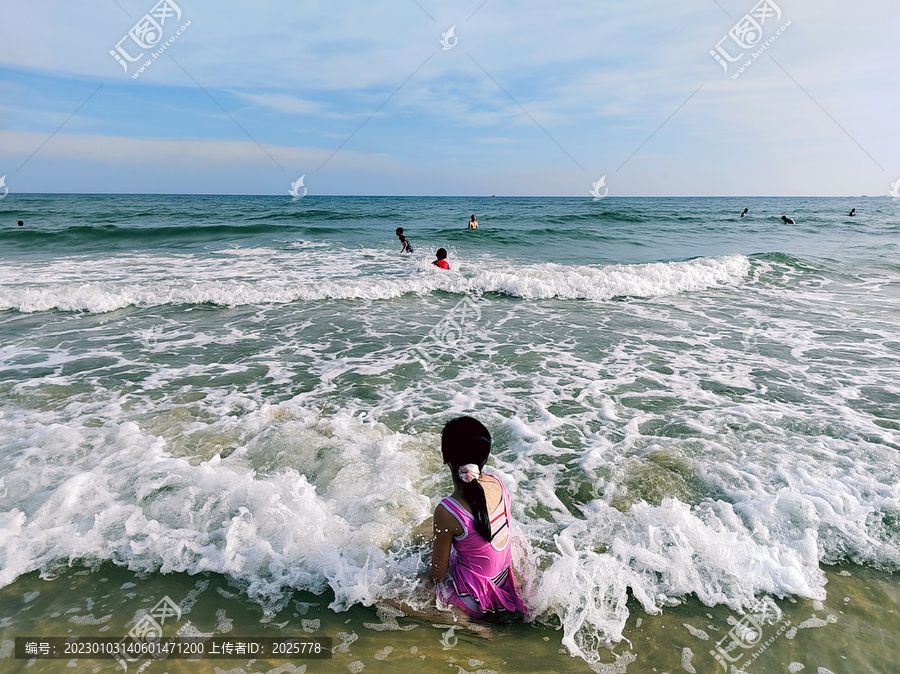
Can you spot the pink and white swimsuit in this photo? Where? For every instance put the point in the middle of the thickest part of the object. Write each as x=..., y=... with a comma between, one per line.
x=480, y=575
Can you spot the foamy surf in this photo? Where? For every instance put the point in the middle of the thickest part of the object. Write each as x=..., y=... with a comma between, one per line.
x=193, y=285
x=315, y=503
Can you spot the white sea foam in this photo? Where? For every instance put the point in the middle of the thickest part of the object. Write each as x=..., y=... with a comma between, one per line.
x=150, y=510
x=645, y=458
x=262, y=277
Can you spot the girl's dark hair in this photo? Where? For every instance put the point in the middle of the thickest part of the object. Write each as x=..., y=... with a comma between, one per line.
x=442, y=255
x=466, y=440
x=473, y=216
x=399, y=231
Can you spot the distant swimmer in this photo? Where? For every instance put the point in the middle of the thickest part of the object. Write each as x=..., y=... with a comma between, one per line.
x=441, y=259
x=852, y=212
x=473, y=223
x=405, y=247
x=787, y=220
x=21, y=223
x=745, y=212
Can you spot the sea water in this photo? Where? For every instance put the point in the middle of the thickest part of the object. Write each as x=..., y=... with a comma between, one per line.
x=691, y=410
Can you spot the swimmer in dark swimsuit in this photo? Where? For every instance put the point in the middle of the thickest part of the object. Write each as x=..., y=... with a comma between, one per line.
x=787, y=220
x=405, y=247
x=852, y=212
x=745, y=212
x=442, y=259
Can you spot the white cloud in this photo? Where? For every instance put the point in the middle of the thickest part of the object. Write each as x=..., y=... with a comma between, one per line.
x=286, y=103
x=600, y=78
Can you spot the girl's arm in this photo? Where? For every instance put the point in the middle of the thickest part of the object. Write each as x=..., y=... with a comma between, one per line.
x=446, y=526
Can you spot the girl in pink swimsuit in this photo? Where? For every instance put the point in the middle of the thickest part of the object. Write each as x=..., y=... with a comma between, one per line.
x=474, y=523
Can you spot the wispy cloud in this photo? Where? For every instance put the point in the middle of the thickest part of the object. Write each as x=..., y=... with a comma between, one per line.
x=286, y=103
x=599, y=78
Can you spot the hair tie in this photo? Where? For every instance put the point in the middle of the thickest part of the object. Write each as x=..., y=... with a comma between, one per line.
x=469, y=472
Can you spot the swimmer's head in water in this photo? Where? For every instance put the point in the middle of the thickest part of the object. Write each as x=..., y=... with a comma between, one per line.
x=441, y=253
x=473, y=216
x=399, y=231
x=21, y=223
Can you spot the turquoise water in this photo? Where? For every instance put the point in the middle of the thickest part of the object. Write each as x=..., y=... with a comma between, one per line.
x=683, y=402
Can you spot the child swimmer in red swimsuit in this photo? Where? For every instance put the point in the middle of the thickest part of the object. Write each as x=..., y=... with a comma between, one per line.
x=442, y=259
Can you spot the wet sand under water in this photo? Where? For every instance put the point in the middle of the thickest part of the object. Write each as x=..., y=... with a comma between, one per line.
x=854, y=630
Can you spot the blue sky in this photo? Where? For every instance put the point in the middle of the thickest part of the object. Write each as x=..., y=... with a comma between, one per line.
x=534, y=98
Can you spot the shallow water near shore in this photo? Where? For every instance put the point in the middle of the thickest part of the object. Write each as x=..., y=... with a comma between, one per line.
x=851, y=631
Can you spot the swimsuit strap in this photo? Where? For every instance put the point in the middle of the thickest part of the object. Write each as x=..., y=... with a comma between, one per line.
x=451, y=504
x=467, y=520
x=461, y=514
x=504, y=501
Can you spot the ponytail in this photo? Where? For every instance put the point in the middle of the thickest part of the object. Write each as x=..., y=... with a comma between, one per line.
x=474, y=493
x=466, y=441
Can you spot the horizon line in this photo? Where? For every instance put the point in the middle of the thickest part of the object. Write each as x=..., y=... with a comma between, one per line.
x=460, y=196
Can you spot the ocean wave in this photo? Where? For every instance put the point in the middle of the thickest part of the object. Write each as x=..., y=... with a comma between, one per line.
x=316, y=503
x=530, y=237
x=323, y=214
x=529, y=282
x=111, y=234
